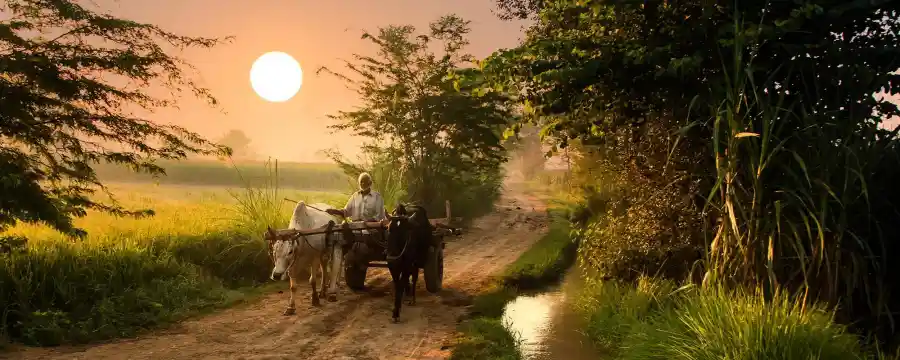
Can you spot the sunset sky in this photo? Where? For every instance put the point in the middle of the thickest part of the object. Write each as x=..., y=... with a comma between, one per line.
x=315, y=33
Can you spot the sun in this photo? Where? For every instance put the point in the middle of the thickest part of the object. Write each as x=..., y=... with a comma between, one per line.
x=276, y=76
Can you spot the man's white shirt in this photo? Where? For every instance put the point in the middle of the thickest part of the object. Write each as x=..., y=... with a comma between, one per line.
x=364, y=207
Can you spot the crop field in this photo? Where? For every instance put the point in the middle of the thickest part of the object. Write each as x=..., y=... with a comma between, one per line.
x=305, y=176
x=201, y=250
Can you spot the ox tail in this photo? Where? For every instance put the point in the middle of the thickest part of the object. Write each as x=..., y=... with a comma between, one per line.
x=299, y=218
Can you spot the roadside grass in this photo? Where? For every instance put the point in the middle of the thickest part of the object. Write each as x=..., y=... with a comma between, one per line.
x=200, y=252
x=546, y=262
x=484, y=335
x=655, y=319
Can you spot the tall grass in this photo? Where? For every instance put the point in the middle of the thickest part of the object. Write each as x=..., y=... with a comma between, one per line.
x=656, y=320
x=259, y=205
x=803, y=195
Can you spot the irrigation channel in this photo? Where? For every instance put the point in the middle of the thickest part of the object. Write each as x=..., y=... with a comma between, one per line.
x=547, y=323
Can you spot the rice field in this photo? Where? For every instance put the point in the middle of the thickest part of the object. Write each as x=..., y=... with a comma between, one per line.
x=291, y=175
x=201, y=250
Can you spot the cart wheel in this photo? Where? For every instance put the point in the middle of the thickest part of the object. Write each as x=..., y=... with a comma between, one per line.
x=355, y=277
x=434, y=269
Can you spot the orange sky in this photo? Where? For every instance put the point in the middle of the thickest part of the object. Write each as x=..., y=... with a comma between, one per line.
x=316, y=33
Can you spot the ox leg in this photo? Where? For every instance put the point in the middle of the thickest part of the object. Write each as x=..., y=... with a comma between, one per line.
x=324, y=281
x=399, y=285
x=336, y=265
x=414, y=277
x=291, y=308
x=313, y=281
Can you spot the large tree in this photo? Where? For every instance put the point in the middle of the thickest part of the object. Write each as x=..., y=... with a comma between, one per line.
x=449, y=142
x=71, y=80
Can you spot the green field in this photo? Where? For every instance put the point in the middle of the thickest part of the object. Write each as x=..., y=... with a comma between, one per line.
x=306, y=176
x=202, y=250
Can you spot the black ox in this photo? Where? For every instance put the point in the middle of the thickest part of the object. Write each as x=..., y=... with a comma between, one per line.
x=408, y=238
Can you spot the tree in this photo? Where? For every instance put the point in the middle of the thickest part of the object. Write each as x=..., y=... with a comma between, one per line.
x=67, y=76
x=448, y=142
x=519, y=9
x=238, y=142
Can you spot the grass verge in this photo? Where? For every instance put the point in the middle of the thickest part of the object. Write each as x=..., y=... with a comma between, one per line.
x=484, y=335
x=654, y=319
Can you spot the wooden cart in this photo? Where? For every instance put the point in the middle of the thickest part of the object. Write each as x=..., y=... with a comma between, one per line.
x=368, y=251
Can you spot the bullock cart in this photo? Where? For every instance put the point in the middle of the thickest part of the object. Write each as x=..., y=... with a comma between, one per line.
x=363, y=251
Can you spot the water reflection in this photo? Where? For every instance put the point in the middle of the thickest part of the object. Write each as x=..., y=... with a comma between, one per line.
x=548, y=327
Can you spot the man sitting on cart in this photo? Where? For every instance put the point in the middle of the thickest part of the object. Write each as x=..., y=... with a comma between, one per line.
x=364, y=205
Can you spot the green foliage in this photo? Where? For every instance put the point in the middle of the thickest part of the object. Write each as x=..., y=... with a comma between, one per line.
x=447, y=142
x=746, y=128
x=629, y=226
x=654, y=320
x=68, y=77
x=519, y=9
x=60, y=293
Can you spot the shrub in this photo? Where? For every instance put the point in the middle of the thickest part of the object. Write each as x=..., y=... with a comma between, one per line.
x=631, y=226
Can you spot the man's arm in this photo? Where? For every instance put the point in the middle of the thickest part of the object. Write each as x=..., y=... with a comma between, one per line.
x=345, y=212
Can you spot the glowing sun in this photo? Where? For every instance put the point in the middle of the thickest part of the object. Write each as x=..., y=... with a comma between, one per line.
x=276, y=76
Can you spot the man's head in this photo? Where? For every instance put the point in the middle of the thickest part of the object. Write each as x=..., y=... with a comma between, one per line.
x=365, y=182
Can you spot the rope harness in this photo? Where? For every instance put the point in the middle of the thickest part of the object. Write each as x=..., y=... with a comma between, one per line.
x=391, y=258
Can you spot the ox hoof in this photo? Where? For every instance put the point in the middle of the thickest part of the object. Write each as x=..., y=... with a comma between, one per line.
x=289, y=311
x=395, y=320
x=411, y=302
x=316, y=302
x=332, y=298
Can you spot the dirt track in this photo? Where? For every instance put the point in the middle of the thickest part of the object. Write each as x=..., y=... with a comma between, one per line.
x=357, y=326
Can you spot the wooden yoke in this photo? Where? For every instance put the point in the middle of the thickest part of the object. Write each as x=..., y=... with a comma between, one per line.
x=356, y=225
x=361, y=225
x=443, y=224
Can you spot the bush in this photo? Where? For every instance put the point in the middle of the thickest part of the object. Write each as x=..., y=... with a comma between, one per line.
x=61, y=293
x=630, y=226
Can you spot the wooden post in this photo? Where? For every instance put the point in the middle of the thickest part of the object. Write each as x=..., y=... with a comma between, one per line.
x=447, y=211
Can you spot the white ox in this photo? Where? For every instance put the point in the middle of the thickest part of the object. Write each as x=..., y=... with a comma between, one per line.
x=295, y=253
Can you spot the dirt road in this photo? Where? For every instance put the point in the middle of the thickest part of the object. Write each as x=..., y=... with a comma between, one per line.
x=357, y=326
